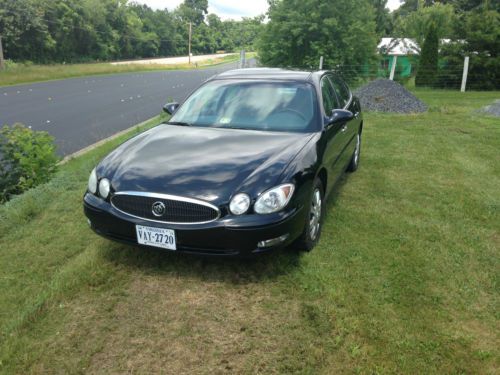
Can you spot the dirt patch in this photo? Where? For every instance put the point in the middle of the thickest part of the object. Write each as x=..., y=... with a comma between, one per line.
x=177, y=326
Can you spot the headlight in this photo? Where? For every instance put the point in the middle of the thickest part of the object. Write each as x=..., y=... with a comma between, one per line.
x=239, y=204
x=274, y=199
x=104, y=186
x=93, y=182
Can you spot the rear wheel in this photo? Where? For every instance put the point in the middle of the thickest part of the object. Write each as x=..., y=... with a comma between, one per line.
x=314, y=219
x=354, y=164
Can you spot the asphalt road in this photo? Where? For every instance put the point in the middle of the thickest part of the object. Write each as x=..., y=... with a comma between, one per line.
x=81, y=111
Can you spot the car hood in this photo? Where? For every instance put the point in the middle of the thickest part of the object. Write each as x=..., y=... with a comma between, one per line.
x=205, y=163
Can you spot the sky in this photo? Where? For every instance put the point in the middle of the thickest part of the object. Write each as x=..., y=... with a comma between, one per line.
x=232, y=9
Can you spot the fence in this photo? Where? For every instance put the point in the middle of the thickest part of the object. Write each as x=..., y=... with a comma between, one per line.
x=469, y=74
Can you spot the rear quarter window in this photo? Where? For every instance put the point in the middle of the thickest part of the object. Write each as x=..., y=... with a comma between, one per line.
x=341, y=89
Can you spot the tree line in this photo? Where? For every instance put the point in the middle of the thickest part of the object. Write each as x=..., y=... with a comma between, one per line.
x=45, y=31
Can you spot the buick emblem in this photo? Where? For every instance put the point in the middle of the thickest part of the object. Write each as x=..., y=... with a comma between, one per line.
x=158, y=208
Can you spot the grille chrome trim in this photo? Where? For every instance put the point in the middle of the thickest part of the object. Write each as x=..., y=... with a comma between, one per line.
x=166, y=197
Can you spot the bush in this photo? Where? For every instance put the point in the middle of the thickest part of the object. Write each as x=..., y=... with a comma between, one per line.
x=428, y=65
x=27, y=158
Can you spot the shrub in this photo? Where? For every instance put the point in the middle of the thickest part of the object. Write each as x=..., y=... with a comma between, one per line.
x=428, y=65
x=27, y=158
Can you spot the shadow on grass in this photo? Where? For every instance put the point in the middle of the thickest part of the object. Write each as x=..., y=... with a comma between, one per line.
x=235, y=270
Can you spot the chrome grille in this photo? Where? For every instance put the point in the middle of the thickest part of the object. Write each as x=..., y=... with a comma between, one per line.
x=179, y=210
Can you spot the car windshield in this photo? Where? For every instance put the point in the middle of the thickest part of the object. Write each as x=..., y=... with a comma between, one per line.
x=255, y=105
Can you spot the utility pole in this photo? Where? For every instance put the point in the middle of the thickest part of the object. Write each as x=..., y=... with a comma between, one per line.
x=189, y=48
x=2, y=64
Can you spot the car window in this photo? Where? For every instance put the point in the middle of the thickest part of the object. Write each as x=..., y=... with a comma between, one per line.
x=341, y=89
x=254, y=105
x=328, y=95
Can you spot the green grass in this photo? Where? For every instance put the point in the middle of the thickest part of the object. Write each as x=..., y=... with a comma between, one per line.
x=404, y=279
x=21, y=73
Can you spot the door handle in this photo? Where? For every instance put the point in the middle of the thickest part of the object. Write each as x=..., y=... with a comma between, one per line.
x=343, y=128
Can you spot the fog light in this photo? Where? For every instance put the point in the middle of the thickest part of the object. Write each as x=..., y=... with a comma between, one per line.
x=272, y=241
x=89, y=222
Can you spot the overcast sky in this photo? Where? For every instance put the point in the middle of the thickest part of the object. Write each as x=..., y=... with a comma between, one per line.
x=234, y=9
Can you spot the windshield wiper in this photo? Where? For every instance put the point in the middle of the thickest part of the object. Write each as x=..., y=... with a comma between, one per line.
x=180, y=123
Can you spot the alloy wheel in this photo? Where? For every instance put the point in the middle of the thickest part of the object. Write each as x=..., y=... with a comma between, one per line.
x=315, y=214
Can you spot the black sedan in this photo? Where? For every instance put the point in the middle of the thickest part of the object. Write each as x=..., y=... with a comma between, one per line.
x=242, y=167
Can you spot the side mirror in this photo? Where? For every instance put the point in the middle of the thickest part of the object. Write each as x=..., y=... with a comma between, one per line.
x=340, y=116
x=170, y=107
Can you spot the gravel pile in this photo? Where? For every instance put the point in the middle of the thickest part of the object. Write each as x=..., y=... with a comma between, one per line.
x=384, y=95
x=492, y=109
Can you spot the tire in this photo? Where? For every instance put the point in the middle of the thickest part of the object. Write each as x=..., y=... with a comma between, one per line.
x=354, y=164
x=315, y=216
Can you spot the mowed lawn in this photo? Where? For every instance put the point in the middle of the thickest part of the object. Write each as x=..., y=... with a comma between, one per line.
x=21, y=73
x=404, y=279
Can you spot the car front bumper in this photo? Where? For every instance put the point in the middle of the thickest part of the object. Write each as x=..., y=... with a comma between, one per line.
x=231, y=236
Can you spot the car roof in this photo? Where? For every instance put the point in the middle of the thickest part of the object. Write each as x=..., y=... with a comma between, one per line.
x=266, y=73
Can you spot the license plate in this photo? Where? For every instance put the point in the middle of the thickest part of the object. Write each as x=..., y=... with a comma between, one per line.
x=158, y=237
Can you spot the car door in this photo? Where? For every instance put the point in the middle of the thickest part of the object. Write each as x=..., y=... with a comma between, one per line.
x=334, y=133
x=346, y=101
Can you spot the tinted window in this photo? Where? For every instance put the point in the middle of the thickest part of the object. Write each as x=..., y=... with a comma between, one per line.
x=342, y=91
x=328, y=95
x=256, y=105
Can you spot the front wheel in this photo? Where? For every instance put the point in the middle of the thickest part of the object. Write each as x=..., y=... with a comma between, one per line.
x=354, y=164
x=314, y=219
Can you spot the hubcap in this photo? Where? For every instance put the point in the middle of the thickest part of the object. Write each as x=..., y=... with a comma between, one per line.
x=356, y=152
x=315, y=215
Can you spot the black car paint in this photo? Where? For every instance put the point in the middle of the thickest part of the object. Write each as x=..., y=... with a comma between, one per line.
x=213, y=164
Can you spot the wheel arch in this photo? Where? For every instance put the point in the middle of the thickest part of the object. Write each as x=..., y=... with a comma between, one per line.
x=323, y=177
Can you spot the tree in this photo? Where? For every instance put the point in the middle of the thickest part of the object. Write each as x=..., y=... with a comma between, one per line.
x=482, y=28
x=428, y=64
x=344, y=33
x=468, y=5
x=417, y=23
x=382, y=17
x=22, y=27
x=193, y=11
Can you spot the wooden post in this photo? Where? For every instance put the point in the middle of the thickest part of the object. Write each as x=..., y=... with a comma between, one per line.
x=464, y=75
x=393, y=67
x=321, y=63
x=189, y=47
x=2, y=64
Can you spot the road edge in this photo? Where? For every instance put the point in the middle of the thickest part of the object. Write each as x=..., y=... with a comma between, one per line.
x=93, y=146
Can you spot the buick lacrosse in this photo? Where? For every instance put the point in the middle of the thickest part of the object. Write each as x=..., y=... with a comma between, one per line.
x=243, y=166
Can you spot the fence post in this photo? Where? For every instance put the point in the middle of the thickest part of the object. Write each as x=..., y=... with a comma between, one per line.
x=464, y=75
x=393, y=67
x=321, y=63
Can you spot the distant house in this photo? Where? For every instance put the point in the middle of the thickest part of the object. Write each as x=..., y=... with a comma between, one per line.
x=405, y=49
